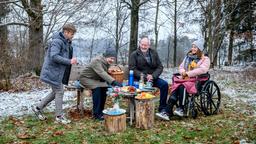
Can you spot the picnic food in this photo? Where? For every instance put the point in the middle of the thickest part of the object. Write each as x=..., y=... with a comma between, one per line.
x=130, y=89
x=144, y=95
x=115, y=69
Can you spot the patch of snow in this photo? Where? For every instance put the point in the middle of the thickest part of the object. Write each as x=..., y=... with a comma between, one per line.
x=19, y=104
x=231, y=82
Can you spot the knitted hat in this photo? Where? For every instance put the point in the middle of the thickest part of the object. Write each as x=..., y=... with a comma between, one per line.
x=110, y=53
x=199, y=44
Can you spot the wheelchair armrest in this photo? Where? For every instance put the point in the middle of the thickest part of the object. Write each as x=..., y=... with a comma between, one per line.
x=204, y=75
x=176, y=74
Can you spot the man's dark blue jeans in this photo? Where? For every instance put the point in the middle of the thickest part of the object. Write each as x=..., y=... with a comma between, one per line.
x=99, y=98
x=163, y=86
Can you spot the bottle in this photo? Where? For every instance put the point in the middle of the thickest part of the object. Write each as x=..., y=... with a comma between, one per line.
x=141, y=84
x=130, y=78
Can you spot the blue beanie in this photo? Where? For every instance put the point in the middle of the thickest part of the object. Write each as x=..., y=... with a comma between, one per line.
x=110, y=53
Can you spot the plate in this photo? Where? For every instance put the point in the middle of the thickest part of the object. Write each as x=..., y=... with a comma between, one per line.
x=149, y=88
x=112, y=111
x=145, y=90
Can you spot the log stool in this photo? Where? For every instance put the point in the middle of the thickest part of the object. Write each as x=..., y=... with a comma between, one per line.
x=115, y=123
x=145, y=110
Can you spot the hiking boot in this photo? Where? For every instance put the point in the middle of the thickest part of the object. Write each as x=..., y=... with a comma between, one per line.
x=179, y=112
x=62, y=119
x=163, y=115
x=39, y=114
x=100, y=118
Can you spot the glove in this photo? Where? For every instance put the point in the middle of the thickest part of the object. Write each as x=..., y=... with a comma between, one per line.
x=77, y=84
x=115, y=83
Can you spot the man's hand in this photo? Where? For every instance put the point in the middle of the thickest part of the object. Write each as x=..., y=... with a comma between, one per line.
x=115, y=83
x=73, y=61
x=149, y=77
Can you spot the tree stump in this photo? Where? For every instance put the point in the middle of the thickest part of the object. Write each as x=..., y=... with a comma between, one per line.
x=145, y=113
x=115, y=123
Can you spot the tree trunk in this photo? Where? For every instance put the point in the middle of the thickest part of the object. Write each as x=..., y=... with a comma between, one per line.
x=35, y=50
x=217, y=34
x=134, y=28
x=230, y=47
x=209, y=32
x=5, y=65
x=175, y=34
x=156, y=21
x=168, y=51
x=117, y=28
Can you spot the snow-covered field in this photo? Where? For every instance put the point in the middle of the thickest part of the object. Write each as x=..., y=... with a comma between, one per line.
x=233, y=82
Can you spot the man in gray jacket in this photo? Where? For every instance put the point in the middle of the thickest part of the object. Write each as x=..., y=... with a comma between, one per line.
x=56, y=71
x=95, y=77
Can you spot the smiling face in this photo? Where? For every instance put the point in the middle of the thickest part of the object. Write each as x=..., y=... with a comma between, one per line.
x=194, y=49
x=144, y=45
x=110, y=60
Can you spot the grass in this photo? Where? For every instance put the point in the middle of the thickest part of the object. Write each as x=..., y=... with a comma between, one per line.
x=233, y=124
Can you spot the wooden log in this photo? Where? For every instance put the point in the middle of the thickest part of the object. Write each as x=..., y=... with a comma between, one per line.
x=115, y=123
x=145, y=110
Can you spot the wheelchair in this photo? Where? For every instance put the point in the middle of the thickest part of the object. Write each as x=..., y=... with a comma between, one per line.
x=207, y=99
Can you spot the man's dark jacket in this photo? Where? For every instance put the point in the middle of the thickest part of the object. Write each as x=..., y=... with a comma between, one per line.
x=139, y=64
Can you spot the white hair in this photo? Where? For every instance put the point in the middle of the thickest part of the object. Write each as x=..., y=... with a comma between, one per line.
x=145, y=37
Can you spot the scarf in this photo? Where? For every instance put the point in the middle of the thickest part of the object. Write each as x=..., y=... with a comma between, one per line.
x=190, y=62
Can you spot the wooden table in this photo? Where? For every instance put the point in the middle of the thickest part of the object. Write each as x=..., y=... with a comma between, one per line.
x=131, y=105
x=82, y=92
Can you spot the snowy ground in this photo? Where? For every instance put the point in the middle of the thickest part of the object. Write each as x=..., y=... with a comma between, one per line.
x=233, y=84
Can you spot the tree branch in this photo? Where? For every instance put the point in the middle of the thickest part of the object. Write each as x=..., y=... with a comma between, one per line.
x=28, y=9
x=14, y=23
x=142, y=3
x=128, y=4
x=8, y=1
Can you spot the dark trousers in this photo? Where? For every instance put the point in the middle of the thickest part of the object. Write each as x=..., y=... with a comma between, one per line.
x=99, y=98
x=177, y=95
x=163, y=86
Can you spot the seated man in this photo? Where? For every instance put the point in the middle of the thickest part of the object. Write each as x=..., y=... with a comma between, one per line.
x=146, y=61
x=95, y=77
x=194, y=64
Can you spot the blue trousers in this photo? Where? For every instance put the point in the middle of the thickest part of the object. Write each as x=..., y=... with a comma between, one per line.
x=163, y=86
x=99, y=98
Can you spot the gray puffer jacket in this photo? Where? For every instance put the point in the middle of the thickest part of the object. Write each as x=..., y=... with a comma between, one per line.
x=56, y=67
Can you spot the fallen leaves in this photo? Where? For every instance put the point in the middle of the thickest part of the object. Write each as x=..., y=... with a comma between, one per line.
x=58, y=133
x=16, y=121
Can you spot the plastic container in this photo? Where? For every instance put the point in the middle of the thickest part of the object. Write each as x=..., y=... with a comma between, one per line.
x=131, y=78
x=136, y=84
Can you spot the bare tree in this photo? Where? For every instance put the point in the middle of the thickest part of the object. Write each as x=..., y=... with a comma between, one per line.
x=175, y=11
x=134, y=6
x=156, y=22
x=5, y=64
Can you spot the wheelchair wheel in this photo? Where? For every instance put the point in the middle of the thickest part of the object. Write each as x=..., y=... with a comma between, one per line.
x=210, y=98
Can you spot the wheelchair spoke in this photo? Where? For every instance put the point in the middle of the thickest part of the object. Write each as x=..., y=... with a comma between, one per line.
x=210, y=98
